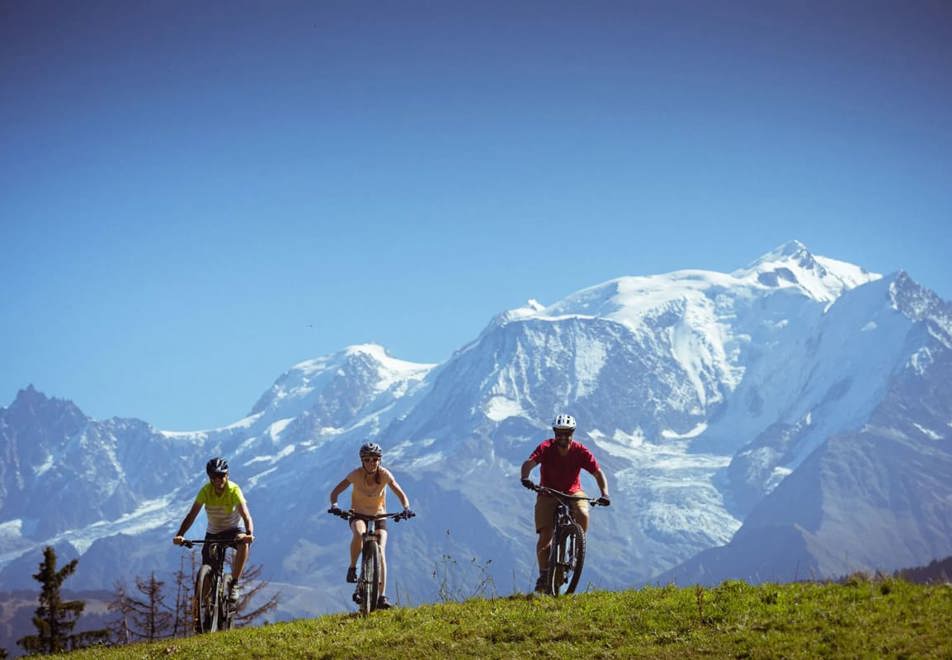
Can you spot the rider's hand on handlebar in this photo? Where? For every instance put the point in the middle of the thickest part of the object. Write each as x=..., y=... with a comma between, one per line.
x=604, y=500
x=407, y=514
x=528, y=484
x=178, y=540
x=245, y=538
x=334, y=509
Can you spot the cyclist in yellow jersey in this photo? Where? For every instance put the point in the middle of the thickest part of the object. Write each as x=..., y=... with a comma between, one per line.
x=368, y=497
x=225, y=507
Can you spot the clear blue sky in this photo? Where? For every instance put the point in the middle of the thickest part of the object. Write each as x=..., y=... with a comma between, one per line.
x=194, y=196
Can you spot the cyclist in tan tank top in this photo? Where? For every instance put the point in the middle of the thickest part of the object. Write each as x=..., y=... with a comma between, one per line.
x=369, y=497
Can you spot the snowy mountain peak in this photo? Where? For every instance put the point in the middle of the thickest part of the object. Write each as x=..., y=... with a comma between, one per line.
x=790, y=250
x=390, y=368
x=793, y=265
x=629, y=300
x=908, y=297
x=531, y=309
x=366, y=368
x=920, y=304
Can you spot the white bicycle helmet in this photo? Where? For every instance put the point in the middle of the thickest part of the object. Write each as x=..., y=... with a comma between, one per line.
x=563, y=423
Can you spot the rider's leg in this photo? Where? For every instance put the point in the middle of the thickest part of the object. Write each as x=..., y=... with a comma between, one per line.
x=238, y=563
x=581, y=519
x=544, y=511
x=358, y=527
x=579, y=511
x=382, y=534
x=542, y=548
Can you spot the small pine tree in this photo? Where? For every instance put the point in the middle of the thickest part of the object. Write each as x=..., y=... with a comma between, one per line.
x=147, y=618
x=151, y=616
x=55, y=618
x=184, y=603
x=121, y=632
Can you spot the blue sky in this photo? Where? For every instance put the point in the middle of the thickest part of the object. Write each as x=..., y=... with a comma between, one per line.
x=195, y=196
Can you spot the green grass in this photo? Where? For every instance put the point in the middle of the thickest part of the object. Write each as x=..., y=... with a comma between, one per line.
x=860, y=618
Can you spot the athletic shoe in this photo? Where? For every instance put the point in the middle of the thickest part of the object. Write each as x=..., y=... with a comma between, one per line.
x=383, y=603
x=542, y=584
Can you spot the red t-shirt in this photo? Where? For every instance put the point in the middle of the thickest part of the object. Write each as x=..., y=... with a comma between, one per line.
x=562, y=472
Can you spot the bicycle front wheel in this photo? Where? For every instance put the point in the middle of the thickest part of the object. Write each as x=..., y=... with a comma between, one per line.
x=206, y=597
x=225, y=606
x=565, y=564
x=369, y=577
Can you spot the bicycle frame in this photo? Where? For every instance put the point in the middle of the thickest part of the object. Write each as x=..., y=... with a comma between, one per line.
x=562, y=515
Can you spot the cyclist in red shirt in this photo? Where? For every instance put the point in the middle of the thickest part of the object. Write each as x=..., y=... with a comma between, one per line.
x=562, y=460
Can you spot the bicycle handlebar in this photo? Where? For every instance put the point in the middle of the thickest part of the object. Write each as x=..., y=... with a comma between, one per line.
x=353, y=515
x=239, y=538
x=594, y=501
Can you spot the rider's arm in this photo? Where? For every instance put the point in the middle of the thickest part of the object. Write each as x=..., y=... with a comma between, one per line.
x=601, y=481
x=338, y=489
x=189, y=519
x=246, y=516
x=527, y=468
x=395, y=487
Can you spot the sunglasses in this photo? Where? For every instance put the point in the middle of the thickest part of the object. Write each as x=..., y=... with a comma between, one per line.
x=220, y=475
x=563, y=434
x=371, y=459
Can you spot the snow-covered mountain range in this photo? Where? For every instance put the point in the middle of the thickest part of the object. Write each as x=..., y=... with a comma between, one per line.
x=789, y=419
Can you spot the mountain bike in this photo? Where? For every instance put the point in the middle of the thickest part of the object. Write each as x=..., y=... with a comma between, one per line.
x=213, y=609
x=567, y=552
x=371, y=557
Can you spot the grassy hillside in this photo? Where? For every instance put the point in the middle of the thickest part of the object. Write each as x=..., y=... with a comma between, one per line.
x=890, y=617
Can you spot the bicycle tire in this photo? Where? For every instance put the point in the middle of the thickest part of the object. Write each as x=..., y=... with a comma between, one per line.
x=367, y=584
x=566, y=560
x=225, y=607
x=378, y=573
x=206, y=596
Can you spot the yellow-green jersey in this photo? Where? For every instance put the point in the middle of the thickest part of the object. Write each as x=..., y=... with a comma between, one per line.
x=222, y=510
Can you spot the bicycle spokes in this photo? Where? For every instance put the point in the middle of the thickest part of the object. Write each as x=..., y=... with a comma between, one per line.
x=206, y=592
x=568, y=552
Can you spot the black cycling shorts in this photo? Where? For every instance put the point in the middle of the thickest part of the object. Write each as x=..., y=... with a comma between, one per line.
x=227, y=535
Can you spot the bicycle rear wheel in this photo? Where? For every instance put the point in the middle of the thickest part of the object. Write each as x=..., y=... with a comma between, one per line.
x=206, y=596
x=565, y=563
x=369, y=577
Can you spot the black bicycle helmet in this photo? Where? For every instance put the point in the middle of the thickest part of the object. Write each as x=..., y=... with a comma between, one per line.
x=371, y=449
x=217, y=465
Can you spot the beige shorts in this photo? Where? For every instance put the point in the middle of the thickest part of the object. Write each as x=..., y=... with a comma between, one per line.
x=545, y=508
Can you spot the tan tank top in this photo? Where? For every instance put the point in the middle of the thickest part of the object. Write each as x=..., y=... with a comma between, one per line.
x=367, y=496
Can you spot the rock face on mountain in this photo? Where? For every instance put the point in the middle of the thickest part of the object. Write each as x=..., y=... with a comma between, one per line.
x=790, y=419
x=62, y=470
